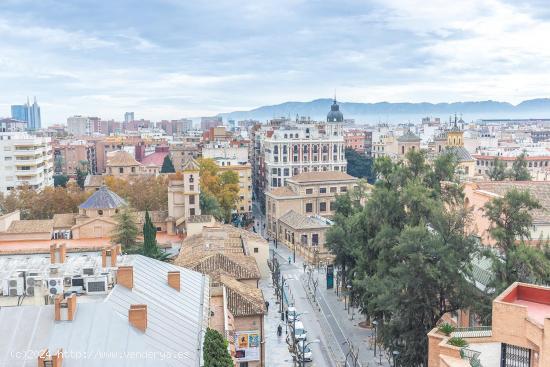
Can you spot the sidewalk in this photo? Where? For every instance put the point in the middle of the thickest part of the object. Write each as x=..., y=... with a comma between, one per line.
x=338, y=319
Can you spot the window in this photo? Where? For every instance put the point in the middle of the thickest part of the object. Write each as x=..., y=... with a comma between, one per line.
x=192, y=199
x=191, y=187
x=120, y=170
x=191, y=179
x=309, y=191
x=332, y=206
x=255, y=250
x=192, y=211
x=343, y=189
x=315, y=239
x=323, y=190
x=100, y=212
x=133, y=169
x=309, y=208
x=7, y=158
x=286, y=172
x=322, y=206
x=333, y=189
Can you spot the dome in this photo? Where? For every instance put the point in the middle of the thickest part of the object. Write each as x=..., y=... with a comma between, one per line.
x=335, y=115
x=103, y=199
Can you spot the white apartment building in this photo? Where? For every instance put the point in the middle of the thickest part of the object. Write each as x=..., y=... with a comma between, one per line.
x=305, y=146
x=226, y=152
x=79, y=125
x=25, y=159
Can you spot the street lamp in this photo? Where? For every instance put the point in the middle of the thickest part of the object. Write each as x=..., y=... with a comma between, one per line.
x=304, y=346
x=395, y=355
x=375, y=323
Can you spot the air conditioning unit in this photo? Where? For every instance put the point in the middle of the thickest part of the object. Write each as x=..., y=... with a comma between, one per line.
x=16, y=286
x=77, y=281
x=96, y=284
x=88, y=271
x=35, y=286
x=55, y=286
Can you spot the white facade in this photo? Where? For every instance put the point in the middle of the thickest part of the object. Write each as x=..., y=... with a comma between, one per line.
x=25, y=159
x=79, y=125
x=303, y=147
x=226, y=152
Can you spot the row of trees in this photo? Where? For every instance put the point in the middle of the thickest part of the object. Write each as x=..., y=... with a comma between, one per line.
x=219, y=190
x=407, y=253
x=518, y=171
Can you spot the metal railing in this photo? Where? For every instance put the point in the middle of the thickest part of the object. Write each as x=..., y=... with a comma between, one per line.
x=472, y=332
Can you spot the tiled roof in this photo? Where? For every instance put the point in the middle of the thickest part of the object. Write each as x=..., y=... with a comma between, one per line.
x=242, y=299
x=64, y=220
x=191, y=165
x=321, y=176
x=155, y=159
x=300, y=221
x=94, y=180
x=122, y=158
x=103, y=199
x=282, y=191
x=461, y=153
x=539, y=189
x=30, y=226
x=237, y=265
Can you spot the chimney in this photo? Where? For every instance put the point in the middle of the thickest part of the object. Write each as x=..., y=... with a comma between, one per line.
x=109, y=256
x=65, y=308
x=174, y=279
x=125, y=276
x=52, y=253
x=137, y=316
x=47, y=360
x=62, y=252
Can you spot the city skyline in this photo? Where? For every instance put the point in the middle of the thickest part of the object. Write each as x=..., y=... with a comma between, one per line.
x=166, y=59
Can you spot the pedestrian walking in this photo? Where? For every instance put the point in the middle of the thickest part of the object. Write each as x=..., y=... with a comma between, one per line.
x=289, y=259
x=279, y=330
x=267, y=306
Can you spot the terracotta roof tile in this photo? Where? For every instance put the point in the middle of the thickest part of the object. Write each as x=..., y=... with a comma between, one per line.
x=242, y=299
x=64, y=220
x=237, y=265
x=539, y=189
x=122, y=158
x=30, y=226
x=300, y=221
x=282, y=191
x=154, y=159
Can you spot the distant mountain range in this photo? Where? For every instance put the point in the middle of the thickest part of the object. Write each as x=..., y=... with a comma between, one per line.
x=397, y=112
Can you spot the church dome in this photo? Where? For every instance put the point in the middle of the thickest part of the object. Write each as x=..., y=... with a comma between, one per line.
x=335, y=115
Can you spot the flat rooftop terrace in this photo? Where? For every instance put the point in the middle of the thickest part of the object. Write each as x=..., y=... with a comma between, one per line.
x=535, y=298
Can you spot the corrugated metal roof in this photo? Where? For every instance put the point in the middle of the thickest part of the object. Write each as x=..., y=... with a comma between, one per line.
x=176, y=322
x=103, y=199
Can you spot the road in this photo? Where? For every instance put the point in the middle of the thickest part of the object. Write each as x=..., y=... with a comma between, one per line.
x=325, y=318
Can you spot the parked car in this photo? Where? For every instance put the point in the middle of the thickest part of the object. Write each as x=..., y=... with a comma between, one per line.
x=306, y=353
x=300, y=332
x=292, y=314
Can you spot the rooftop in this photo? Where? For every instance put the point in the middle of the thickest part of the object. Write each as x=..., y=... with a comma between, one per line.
x=408, y=136
x=176, y=322
x=321, y=176
x=30, y=226
x=300, y=221
x=121, y=158
x=103, y=199
x=154, y=159
x=535, y=298
x=539, y=189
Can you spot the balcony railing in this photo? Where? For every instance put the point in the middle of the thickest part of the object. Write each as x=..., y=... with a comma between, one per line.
x=472, y=332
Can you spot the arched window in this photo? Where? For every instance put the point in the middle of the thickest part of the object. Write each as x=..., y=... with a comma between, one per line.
x=276, y=149
x=100, y=212
x=306, y=148
x=285, y=149
x=315, y=149
x=325, y=149
x=295, y=149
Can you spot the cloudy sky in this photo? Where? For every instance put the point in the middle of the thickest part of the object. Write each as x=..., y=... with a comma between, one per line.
x=177, y=58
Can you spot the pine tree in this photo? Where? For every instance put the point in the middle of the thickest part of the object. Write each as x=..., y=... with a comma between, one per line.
x=215, y=352
x=167, y=165
x=519, y=171
x=126, y=231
